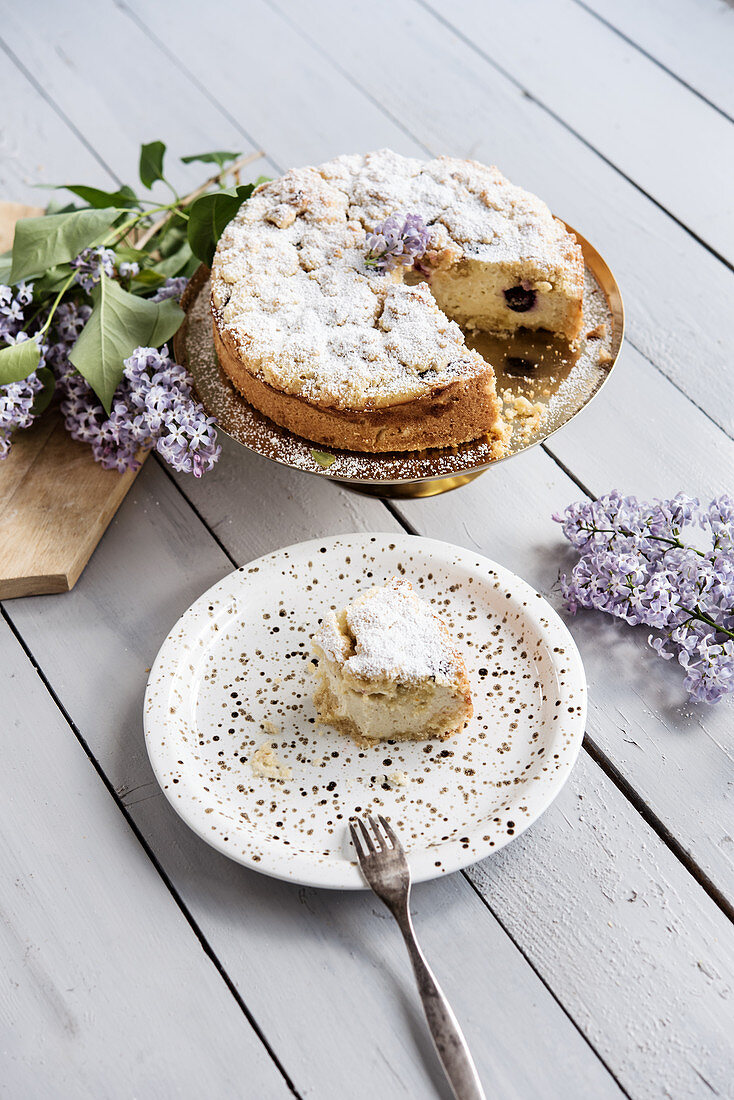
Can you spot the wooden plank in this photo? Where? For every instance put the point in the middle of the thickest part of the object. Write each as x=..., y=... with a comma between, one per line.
x=56, y=503
x=254, y=505
x=692, y=38
x=10, y=213
x=673, y=754
x=615, y=919
x=643, y=435
x=311, y=965
x=106, y=989
x=193, y=120
x=679, y=321
x=58, y=51
x=34, y=144
x=616, y=99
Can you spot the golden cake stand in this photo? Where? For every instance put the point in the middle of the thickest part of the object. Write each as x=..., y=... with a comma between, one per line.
x=543, y=382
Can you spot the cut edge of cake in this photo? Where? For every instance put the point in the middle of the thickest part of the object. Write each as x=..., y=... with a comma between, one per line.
x=363, y=361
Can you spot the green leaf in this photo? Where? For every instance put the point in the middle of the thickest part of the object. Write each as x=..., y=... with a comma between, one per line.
x=52, y=281
x=220, y=159
x=124, y=198
x=209, y=216
x=129, y=255
x=323, y=458
x=262, y=179
x=174, y=264
x=6, y=262
x=191, y=267
x=148, y=278
x=151, y=163
x=57, y=205
x=173, y=238
x=17, y=361
x=44, y=396
x=41, y=243
x=120, y=322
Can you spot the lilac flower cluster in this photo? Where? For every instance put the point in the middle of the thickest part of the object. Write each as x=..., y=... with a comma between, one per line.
x=152, y=408
x=16, y=399
x=16, y=408
x=397, y=242
x=634, y=564
x=91, y=264
x=12, y=308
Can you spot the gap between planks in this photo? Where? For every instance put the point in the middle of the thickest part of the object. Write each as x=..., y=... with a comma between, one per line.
x=606, y=764
x=595, y=752
x=567, y=126
x=612, y=772
x=655, y=60
x=118, y=799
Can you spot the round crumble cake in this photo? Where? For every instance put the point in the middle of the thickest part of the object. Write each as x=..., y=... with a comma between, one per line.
x=372, y=358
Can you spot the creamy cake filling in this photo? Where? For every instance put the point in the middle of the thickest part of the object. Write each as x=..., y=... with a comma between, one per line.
x=291, y=291
x=390, y=711
x=389, y=670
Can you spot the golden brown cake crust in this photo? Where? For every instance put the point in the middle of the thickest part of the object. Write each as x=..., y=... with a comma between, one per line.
x=453, y=413
x=369, y=360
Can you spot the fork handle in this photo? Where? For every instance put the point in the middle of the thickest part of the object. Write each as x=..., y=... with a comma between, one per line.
x=447, y=1036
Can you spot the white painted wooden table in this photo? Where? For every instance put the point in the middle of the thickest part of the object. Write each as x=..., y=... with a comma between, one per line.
x=591, y=958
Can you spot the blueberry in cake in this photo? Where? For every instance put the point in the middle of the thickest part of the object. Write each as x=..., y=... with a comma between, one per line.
x=338, y=293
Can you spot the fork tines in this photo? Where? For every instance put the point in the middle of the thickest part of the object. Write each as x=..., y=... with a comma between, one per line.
x=382, y=833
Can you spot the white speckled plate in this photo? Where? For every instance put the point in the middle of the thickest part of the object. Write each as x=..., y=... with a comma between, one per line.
x=239, y=659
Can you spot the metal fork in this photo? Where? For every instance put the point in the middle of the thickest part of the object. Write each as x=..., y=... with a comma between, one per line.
x=384, y=866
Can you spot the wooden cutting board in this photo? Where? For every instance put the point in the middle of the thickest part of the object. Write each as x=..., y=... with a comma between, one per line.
x=55, y=500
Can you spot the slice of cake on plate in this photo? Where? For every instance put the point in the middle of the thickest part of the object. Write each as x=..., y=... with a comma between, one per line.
x=325, y=337
x=389, y=670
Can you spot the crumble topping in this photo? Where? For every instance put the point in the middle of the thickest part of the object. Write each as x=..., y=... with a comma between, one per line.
x=390, y=633
x=291, y=289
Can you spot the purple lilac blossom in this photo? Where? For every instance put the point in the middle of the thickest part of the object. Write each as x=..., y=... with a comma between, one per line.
x=91, y=264
x=636, y=564
x=128, y=269
x=68, y=322
x=16, y=405
x=152, y=408
x=397, y=242
x=172, y=288
x=16, y=399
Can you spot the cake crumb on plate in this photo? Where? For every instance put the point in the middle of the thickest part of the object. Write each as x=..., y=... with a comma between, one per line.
x=398, y=779
x=266, y=763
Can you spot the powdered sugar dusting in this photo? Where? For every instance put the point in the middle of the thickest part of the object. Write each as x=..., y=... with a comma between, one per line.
x=291, y=289
x=579, y=376
x=391, y=634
